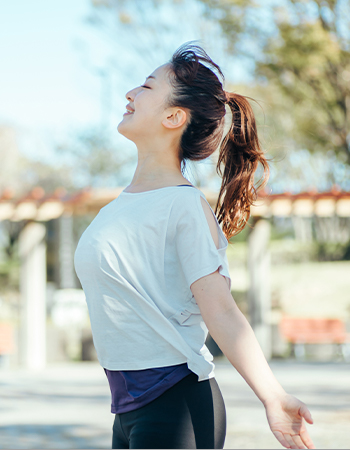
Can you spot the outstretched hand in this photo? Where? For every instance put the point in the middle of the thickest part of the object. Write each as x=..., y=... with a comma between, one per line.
x=285, y=416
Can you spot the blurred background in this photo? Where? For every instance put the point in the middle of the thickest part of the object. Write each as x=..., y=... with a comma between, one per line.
x=65, y=69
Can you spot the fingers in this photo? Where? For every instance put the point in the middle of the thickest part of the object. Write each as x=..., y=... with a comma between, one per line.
x=306, y=439
x=297, y=441
x=290, y=441
x=303, y=411
x=280, y=437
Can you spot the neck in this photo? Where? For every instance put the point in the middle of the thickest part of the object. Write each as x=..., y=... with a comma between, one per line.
x=157, y=165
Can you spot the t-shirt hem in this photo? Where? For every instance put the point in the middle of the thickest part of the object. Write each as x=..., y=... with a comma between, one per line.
x=207, y=271
x=141, y=365
x=199, y=369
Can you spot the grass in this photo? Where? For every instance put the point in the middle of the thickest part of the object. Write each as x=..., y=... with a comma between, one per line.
x=298, y=287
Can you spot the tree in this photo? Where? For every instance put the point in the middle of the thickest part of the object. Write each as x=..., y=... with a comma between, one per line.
x=305, y=53
x=138, y=35
x=297, y=50
x=20, y=173
x=146, y=32
x=94, y=160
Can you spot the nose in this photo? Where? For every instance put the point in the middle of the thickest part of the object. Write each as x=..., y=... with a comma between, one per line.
x=130, y=95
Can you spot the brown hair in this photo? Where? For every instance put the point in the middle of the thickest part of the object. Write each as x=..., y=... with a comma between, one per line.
x=197, y=88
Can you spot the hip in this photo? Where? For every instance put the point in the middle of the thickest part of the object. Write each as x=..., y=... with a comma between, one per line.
x=190, y=414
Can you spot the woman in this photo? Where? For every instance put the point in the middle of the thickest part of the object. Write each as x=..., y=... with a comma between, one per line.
x=154, y=269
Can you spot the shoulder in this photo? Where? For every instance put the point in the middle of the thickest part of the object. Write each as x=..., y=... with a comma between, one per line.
x=191, y=205
x=208, y=212
x=186, y=201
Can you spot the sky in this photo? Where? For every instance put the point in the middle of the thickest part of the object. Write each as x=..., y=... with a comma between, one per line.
x=52, y=61
x=43, y=83
x=53, y=66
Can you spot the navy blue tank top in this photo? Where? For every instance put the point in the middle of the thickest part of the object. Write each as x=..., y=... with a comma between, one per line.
x=132, y=389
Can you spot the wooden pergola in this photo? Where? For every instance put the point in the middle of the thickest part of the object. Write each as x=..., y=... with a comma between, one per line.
x=305, y=204
x=36, y=208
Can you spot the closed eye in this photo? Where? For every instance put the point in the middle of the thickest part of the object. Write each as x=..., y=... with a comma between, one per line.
x=147, y=87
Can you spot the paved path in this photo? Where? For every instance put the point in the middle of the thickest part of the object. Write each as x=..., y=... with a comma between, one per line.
x=68, y=406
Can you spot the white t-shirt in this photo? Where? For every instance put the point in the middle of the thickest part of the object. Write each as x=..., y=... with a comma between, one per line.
x=136, y=262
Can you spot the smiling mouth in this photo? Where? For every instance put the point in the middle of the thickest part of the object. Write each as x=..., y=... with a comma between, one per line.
x=128, y=111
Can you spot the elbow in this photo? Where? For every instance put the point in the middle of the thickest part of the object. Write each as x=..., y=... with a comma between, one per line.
x=224, y=317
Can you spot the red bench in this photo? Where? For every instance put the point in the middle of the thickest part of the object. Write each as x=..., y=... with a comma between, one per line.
x=6, y=339
x=301, y=330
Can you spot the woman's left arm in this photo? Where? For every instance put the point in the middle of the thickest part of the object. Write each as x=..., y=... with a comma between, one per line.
x=235, y=337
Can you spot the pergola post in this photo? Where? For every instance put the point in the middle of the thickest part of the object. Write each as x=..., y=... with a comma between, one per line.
x=259, y=293
x=32, y=252
x=66, y=252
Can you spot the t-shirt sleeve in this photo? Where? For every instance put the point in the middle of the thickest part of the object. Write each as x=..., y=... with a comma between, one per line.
x=196, y=249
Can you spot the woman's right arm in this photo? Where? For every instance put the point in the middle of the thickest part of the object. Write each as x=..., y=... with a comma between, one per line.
x=235, y=337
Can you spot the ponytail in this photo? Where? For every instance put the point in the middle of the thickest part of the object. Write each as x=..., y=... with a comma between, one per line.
x=241, y=153
x=196, y=86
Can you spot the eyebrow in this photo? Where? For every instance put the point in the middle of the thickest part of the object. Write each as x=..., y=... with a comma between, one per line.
x=150, y=76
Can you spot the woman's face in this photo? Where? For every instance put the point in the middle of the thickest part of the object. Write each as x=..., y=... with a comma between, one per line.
x=147, y=106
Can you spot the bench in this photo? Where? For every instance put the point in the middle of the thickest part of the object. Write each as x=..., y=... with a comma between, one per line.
x=301, y=330
x=7, y=345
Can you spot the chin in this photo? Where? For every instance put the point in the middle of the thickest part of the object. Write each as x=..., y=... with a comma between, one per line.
x=122, y=128
x=125, y=130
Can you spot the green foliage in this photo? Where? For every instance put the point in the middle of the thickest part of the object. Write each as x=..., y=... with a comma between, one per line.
x=312, y=70
x=9, y=274
x=233, y=17
x=304, y=57
x=9, y=259
x=330, y=251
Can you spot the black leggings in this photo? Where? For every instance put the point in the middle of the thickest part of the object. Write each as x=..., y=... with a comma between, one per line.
x=190, y=414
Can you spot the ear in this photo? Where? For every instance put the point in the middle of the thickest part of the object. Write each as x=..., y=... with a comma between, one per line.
x=175, y=118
